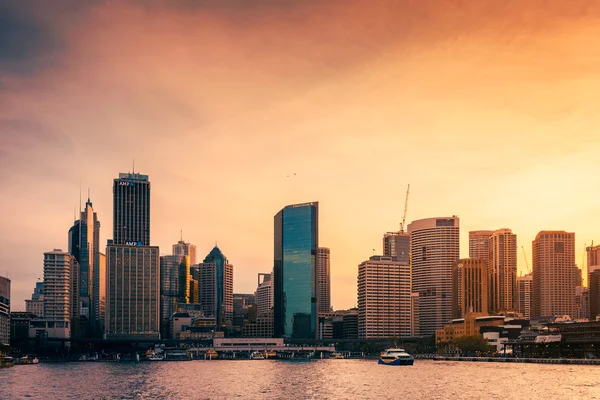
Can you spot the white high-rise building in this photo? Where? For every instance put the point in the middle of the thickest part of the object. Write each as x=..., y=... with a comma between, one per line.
x=59, y=286
x=434, y=249
x=323, y=280
x=264, y=294
x=525, y=295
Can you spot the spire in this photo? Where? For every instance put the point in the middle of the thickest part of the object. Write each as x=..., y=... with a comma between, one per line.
x=133, y=166
x=88, y=195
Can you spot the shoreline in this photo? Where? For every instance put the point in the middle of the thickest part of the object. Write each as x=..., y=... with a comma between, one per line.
x=572, y=361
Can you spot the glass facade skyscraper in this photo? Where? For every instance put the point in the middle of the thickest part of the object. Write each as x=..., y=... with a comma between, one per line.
x=174, y=286
x=296, y=244
x=131, y=210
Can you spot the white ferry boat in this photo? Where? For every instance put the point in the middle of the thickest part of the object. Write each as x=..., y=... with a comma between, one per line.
x=257, y=355
x=396, y=357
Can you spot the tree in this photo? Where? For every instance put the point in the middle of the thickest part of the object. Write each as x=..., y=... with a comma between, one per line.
x=473, y=344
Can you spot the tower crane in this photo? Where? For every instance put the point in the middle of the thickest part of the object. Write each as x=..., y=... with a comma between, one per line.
x=402, y=224
x=526, y=262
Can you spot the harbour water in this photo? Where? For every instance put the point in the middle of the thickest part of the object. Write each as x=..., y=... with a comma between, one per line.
x=320, y=379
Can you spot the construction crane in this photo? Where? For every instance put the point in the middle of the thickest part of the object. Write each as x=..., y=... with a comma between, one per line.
x=526, y=262
x=402, y=224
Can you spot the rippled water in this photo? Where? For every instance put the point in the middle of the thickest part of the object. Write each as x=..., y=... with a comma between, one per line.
x=323, y=379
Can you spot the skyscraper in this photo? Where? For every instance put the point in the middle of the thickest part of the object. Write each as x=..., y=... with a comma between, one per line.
x=397, y=244
x=525, y=295
x=84, y=245
x=469, y=287
x=595, y=295
x=554, y=273
x=479, y=244
x=132, y=265
x=434, y=248
x=323, y=280
x=174, y=286
x=264, y=294
x=215, y=284
x=4, y=311
x=59, y=288
x=36, y=304
x=502, y=271
x=296, y=240
x=182, y=248
x=384, y=298
x=593, y=260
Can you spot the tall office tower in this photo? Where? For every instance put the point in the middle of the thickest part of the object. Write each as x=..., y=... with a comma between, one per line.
x=469, y=287
x=434, y=248
x=185, y=249
x=194, y=292
x=384, y=298
x=84, y=245
x=593, y=260
x=4, y=311
x=502, y=271
x=59, y=287
x=479, y=244
x=595, y=295
x=215, y=283
x=554, y=273
x=397, y=244
x=101, y=291
x=525, y=295
x=36, y=304
x=174, y=287
x=296, y=240
x=132, y=265
x=323, y=280
x=264, y=294
x=582, y=303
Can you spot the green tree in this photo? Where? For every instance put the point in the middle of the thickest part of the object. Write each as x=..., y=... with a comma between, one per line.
x=473, y=344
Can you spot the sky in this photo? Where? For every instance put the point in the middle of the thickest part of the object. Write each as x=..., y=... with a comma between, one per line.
x=237, y=108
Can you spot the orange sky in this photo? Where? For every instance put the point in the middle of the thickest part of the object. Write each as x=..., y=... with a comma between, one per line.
x=488, y=109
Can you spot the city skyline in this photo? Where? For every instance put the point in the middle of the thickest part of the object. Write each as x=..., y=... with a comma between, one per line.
x=515, y=119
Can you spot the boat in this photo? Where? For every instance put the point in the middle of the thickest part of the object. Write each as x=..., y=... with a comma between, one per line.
x=23, y=361
x=395, y=356
x=6, y=362
x=336, y=356
x=155, y=357
x=271, y=354
x=257, y=355
x=210, y=354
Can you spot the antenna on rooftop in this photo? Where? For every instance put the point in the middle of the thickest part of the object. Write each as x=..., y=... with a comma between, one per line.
x=133, y=171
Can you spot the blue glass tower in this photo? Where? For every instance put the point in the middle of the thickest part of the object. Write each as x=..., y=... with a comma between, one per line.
x=296, y=244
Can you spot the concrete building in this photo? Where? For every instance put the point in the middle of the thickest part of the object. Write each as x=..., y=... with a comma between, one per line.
x=215, y=283
x=4, y=311
x=384, y=298
x=323, y=280
x=594, y=282
x=182, y=248
x=593, y=260
x=554, y=273
x=582, y=303
x=35, y=305
x=174, y=287
x=60, y=285
x=479, y=244
x=525, y=295
x=132, y=265
x=397, y=244
x=469, y=287
x=262, y=327
x=264, y=294
x=502, y=271
x=434, y=249
x=296, y=240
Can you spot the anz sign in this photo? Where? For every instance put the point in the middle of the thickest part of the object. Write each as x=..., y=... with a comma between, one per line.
x=125, y=183
x=133, y=243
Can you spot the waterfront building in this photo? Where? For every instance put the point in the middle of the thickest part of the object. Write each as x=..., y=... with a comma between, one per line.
x=174, y=287
x=132, y=265
x=434, y=249
x=182, y=248
x=469, y=325
x=35, y=305
x=264, y=294
x=594, y=282
x=384, y=298
x=554, y=273
x=262, y=327
x=502, y=271
x=469, y=287
x=525, y=295
x=60, y=288
x=397, y=244
x=582, y=303
x=479, y=244
x=4, y=311
x=84, y=246
x=215, y=282
x=323, y=280
x=296, y=240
